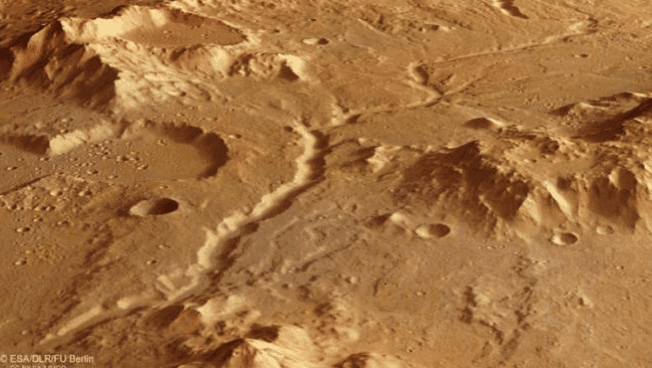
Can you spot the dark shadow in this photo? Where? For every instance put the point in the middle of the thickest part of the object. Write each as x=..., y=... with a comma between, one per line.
x=95, y=85
x=265, y=333
x=612, y=129
x=220, y=356
x=354, y=361
x=154, y=207
x=287, y=74
x=616, y=202
x=163, y=206
x=22, y=40
x=439, y=230
x=89, y=83
x=508, y=6
x=113, y=12
x=353, y=119
x=161, y=319
x=36, y=144
x=562, y=111
x=6, y=62
x=213, y=148
x=378, y=221
x=467, y=178
x=479, y=124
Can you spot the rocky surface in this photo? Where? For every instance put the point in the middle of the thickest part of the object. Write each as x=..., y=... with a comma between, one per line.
x=327, y=184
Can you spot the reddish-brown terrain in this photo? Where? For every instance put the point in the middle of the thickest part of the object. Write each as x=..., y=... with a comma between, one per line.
x=294, y=184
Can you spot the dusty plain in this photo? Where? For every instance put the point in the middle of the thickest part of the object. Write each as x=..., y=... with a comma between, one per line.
x=321, y=183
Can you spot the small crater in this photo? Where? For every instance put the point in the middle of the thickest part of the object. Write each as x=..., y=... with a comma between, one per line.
x=480, y=124
x=173, y=28
x=431, y=231
x=316, y=41
x=154, y=207
x=566, y=238
x=604, y=230
x=204, y=152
